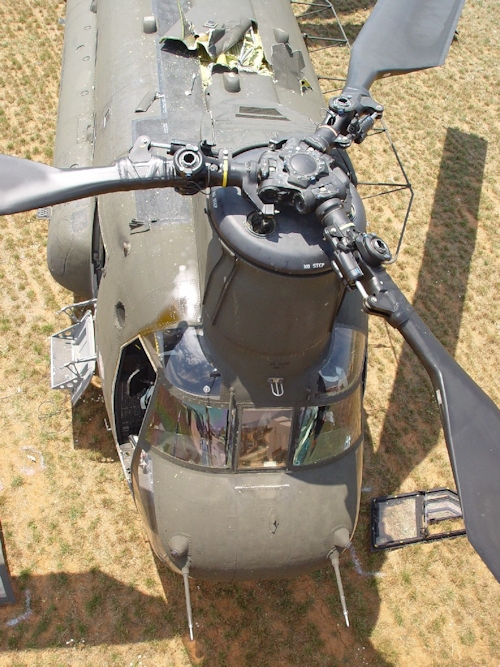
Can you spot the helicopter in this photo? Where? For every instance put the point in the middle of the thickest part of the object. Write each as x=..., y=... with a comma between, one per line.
x=229, y=276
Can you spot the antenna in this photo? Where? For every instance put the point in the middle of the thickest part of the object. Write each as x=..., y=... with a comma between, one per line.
x=185, y=575
x=334, y=557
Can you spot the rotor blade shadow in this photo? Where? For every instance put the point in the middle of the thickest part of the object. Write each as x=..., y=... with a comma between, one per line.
x=412, y=425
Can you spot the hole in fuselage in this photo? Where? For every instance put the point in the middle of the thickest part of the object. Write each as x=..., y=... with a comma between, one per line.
x=120, y=314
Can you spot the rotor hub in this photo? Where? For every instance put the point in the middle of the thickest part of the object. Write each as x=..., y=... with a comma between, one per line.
x=304, y=167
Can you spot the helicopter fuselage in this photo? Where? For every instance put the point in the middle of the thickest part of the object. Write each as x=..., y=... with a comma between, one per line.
x=230, y=356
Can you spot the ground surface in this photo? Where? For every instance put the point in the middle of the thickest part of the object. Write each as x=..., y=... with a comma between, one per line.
x=74, y=542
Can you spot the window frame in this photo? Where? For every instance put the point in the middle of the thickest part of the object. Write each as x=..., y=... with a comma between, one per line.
x=235, y=412
x=354, y=444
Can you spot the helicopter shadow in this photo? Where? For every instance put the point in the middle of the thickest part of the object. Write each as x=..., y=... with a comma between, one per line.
x=91, y=431
x=412, y=426
x=254, y=623
x=279, y=622
x=71, y=610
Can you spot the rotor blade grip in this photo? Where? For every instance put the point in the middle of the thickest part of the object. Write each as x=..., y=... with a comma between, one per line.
x=471, y=424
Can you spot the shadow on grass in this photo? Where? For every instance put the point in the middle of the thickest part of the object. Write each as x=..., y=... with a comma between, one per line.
x=91, y=608
x=277, y=623
x=89, y=421
x=281, y=622
x=440, y=297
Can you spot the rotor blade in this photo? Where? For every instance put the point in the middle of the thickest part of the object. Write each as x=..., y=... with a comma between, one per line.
x=402, y=36
x=471, y=424
x=26, y=185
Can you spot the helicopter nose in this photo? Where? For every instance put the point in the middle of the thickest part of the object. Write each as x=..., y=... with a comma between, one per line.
x=254, y=526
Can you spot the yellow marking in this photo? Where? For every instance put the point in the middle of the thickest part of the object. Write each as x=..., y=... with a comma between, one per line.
x=167, y=318
x=225, y=171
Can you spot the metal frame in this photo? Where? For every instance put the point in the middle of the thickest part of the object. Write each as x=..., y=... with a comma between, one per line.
x=6, y=593
x=431, y=507
x=323, y=5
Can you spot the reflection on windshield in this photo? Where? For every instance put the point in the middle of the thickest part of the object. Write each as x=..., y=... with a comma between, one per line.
x=343, y=366
x=265, y=435
x=328, y=430
x=186, y=366
x=189, y=432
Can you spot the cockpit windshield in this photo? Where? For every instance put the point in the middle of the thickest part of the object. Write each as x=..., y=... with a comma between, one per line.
x=257, y=439
x=265, y=438
x=343, y=365
x=191, y=422
x=185, y=363
x=327, y=430
x=189, y=432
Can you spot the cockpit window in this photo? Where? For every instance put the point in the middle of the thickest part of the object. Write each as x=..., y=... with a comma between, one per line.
x=188, y=420
x=189, y=432
x=344, y=363
x=185, y=363
x=328, y=430
x=265, y=437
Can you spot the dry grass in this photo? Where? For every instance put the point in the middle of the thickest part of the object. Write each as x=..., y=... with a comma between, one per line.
x=73, y=537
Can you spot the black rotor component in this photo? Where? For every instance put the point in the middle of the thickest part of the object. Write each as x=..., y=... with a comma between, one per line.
x=303, y=166
x=373, y=249
x=189, y=161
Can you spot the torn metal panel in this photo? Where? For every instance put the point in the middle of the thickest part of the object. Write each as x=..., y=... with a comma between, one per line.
x=231, y=45
x=224, y=38
x=235, y=45
x=215, y=37
x=288, y=67
x=207, y=16
x=247, y=55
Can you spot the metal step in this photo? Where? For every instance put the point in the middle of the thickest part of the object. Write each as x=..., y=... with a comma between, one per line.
x=407, y=518
x=73, y=357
